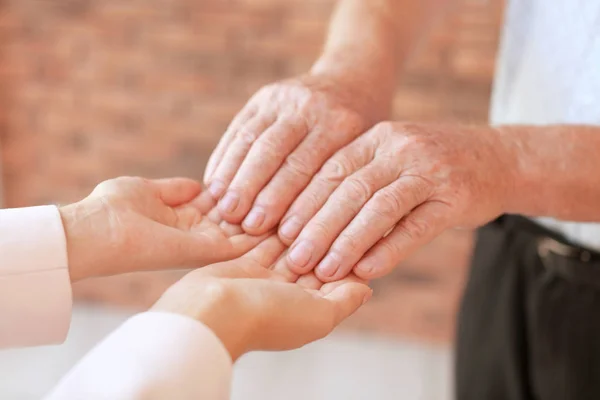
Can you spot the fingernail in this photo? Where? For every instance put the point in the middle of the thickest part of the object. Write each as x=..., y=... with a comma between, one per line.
x=230, y=202
x=216, y=189
x=301, y=253
x=367, y=297
x=290, y=228
x=255, y=218
x=329, y=265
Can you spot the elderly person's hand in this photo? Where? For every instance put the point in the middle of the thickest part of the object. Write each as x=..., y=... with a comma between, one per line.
x=128, y=224
x=279, y=141
x=250, y=307
x=394, y=189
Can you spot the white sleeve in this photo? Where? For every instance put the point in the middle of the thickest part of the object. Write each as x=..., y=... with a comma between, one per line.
x=153, y=355
x=35, y=288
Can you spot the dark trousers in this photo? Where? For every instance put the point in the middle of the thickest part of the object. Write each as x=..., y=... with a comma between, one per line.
x=529, y=324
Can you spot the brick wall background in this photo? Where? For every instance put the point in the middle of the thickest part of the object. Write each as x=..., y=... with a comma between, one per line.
x=95, y=89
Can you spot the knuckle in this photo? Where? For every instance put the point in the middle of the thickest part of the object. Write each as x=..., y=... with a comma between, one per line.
x=266, y=92
x=357, y=190
x=347, y=243
x=247, y=136
x=384, y=127
x=298, y=166
x=391, y=251
x=309, y=202
x=386, y=204
x=382, y=131
x=318, y=229
x=336, y=169
x=421, y=189
x=270, y=199
x=268, y=150
x=403, y=136
x=415, y=228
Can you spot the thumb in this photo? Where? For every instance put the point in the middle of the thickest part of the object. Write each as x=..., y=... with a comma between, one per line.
x=347, y=298
x=177, y=191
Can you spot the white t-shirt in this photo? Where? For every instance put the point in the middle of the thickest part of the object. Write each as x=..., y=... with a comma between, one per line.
x=548, y=72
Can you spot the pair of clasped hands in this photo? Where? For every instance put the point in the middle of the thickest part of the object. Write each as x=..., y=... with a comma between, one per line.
x=308, y=196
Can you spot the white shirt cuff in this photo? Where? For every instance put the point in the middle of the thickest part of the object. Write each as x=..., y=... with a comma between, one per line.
x=35, y=287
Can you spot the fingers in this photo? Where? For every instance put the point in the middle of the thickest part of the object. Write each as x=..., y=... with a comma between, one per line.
x=230, y=229
x=282, y=269
x=267, y=252
x=241, y=244
x=177, y=191
x=262, y=161
x=214, y=216
x=419, y=227
x=253, y=264
x=341, y=207
x=377, y=217
x=204, y=202
x=234, y=269
x=309, y=281
x=298, y=316
x=217, y=155
x=214, y=243
x=334, y=171
x=294, y=175
x=346, y=299
x=329, y=287
x=234, y=155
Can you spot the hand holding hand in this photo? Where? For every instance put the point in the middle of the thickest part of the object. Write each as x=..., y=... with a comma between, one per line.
x=129, y=224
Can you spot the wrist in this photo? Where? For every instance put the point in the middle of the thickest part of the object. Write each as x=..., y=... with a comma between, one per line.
x=516, y=183
x=83, y=238
x=371, y=87
x=215, y=304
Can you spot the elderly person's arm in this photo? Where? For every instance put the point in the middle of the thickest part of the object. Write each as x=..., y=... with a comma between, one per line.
x=125, y=225
x=287, y=131
x=401, y=184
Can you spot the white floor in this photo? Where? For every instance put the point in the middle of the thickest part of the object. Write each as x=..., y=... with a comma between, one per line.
x=343, y=366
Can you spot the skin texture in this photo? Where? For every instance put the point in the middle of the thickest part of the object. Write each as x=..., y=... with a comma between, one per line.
x=393, y=190
x=400, y=185
x=251, y=307
x=129, y=224
x=287, y=131
x=397, y=186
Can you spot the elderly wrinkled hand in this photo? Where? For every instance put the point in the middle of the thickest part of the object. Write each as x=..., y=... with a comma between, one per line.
x=279, y=141
x=394, y=189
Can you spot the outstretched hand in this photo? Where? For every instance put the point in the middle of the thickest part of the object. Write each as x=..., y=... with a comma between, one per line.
x=129, y=224
x=251, y=307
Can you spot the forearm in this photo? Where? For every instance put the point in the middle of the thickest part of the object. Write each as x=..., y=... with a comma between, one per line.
x=369, y=39
x=556, y=171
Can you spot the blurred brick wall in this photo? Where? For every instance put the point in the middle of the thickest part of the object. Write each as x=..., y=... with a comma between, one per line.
x=95, y=89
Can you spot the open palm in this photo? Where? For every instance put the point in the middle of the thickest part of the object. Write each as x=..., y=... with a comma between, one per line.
x=130, y=224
